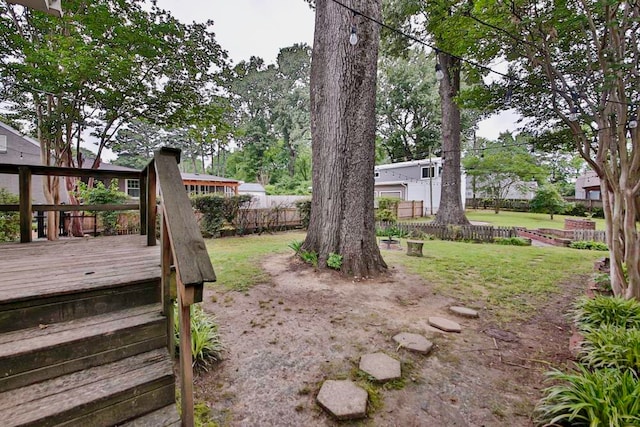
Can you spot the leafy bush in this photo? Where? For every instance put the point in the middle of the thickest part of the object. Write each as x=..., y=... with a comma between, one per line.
x=512, y=241
x=597, y=213
x=389, y=203
x=593, y=313
x=309, y=257
x=216, y=210
x=602, y=283
x=206, y=346
x=589, y=245
x=304, y=207
x=9, y=221
x=334, y=261
x=611, y=347
x=100, y=194
x=603, y=397
x=575, y=209
x=548, y=200
x=296, y=246
x=385, y=215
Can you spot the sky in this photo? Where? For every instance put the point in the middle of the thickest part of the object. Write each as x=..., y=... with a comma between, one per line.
x=246, y=28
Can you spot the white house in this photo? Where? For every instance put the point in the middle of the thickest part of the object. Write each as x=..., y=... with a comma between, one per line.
x=419, y=180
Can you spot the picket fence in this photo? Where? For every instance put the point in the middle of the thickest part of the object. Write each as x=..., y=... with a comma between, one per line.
x=477, y=233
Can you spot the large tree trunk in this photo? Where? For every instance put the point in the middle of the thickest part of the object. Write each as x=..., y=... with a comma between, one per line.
x=343, y=90
x=450, y=210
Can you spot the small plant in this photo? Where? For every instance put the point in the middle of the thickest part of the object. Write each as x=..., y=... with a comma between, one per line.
x=309, y=257
x=611, y=347
x=593, y=313
x=602, y=283
x=511, y=241
x=334, y=261
x=603, y=397
x=589, y=245
x=296, y=246
x=9, y=221
x=206, y=346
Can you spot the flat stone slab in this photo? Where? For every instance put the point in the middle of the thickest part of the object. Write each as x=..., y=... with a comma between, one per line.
x=343, y=399
x=444, y=324
x=380, y=366
x=413, y=342
x=464, y=311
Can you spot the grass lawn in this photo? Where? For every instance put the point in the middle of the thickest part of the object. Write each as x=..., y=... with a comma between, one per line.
x=522, y=219
x=512, y=281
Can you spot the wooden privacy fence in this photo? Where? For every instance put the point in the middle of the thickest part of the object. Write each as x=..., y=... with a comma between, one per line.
x=478, y=233
x=409, y=209
x=271, y=219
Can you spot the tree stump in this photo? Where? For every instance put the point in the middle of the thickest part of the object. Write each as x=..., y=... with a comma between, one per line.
x=414, y=247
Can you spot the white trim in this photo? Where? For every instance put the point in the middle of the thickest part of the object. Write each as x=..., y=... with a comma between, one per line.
x=126, y=188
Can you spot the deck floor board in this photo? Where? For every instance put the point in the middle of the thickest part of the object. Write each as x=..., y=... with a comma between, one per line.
x=63, y=266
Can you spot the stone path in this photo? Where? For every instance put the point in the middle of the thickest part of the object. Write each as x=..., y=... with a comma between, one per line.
x=345, y=400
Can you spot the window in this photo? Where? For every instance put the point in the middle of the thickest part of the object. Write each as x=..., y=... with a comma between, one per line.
x=392, y=194
x=133, y=188
x=428, y=172
x=3, y=144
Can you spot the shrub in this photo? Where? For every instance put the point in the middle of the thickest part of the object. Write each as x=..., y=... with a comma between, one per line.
x=593, y=313
x=512, y=241
x=9, y=221
x=206, y=346
x=304, y=207
x=388, y=203
x=611, y=347
x=385, y=215
x=296, y=246
x=334, y=261
x=603, y=397
x=602, y=283
x=100, y=194
x=309, y=257
x=216, y=210
x=589, y=245
x=575, y=209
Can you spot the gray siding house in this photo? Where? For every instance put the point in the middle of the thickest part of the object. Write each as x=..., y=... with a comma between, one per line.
x=419, y=180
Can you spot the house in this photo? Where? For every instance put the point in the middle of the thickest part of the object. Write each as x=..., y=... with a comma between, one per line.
x=253, y=188
x=419, y=180
x=588, y=186
x=197, y=184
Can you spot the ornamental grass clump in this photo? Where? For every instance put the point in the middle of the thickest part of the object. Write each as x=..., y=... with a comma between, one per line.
x=611, y=347
x=593, y=313
x=206, y=346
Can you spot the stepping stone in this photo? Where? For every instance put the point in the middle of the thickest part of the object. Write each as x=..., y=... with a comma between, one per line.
x=380, y=366
x=413, y=342
x=444, y=324
x=343, y=399
x=463, y=311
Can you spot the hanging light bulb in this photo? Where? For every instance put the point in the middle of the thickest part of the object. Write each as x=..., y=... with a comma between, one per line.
x=21, y=156
x=508, y=96
x=353, y=38
x=573, y=115
x=439, y=72
x=633, y=124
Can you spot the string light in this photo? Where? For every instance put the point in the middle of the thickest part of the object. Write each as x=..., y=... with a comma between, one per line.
x=439, y=72
x=353, y=38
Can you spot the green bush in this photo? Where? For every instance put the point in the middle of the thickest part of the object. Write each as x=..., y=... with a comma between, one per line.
x=9, y=221
x=216, y=210
x=593, y=313
x=385, y=215
x=296, y=246
x=389, y=203
x=304, y=207
x=611, y=347
x=603, y=397
x=100, y=194
x=334, y=261
x=512, y=241
x=309, y=257
x=589, y=245
x=206, y=346
x=575, y=209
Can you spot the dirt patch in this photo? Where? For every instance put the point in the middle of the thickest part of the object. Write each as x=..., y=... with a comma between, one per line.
x=287, y=336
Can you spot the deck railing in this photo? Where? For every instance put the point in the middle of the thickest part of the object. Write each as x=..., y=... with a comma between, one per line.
x=185, y=262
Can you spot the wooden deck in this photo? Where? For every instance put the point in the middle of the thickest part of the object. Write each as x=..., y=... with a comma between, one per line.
x=65, y=266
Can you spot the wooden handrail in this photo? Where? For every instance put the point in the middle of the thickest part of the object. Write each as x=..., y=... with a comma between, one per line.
x=9, y=168
x=184, y=250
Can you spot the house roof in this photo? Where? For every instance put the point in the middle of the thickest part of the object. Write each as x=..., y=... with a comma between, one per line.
x=204, y=177
x=410, y=163
x=253, y=187
x=17, y=133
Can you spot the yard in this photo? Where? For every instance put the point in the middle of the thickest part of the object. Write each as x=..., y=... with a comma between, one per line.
x=287, y=328
x=523, y=219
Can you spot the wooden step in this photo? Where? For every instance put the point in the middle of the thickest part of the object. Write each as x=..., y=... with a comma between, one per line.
x=165, y=417
x=43, y=306
x=36, y=354
x=105, y=395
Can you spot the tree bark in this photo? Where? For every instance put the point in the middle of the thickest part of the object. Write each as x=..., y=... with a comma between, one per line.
x=450, y=210
x=343, y=90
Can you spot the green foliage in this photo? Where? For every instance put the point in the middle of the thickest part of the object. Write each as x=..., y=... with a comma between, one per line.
x=206, y=346
x=575, y=209
x=602, y=283
x=385, y=215
x=9, y=221
x=100, y=194
x=611, y=347
x=304, y=208
x=548, y=200
x=512, y=241
x=388, y=203
x=216, y=210
x=296, y=246
x=593, y=313
x=334, y=261
x=589, y=245
x=603, y=397
x=309, y=257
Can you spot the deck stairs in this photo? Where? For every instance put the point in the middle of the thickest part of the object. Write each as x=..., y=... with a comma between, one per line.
x=93, y=356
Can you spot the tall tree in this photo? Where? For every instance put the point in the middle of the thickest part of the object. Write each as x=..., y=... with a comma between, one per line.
x=343, y=121
x=575, y=65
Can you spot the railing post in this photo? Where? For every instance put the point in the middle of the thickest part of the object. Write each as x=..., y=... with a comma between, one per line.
x=143, y=202
x=167, y=301
x=151, y=204
x=186, y=367
x=25, y=203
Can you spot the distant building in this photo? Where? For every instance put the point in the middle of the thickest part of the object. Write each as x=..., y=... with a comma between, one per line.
x=198, y=184
x=588, y=186
x=253, y=188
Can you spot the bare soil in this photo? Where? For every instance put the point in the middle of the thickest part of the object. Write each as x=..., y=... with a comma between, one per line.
x=287, y=336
